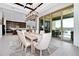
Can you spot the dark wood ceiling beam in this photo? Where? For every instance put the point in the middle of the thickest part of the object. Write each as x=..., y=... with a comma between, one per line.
x=24, y=6
x=29, y=8
x=19, y=4
x=36, y=7
x=29, y=3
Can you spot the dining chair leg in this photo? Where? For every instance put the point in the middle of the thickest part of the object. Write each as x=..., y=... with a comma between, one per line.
x=18, y=40
x=22, y=46
x=20, y=43
x=49, y=51
x=40, y=52
x=25, y=49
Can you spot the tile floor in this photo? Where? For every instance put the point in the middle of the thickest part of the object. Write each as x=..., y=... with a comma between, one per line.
x=9, y=46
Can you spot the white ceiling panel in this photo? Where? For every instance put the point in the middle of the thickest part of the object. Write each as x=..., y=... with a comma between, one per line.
x=43, y=9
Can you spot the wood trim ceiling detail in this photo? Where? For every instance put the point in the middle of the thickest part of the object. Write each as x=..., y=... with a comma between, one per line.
x=29, y=7
x=65, y=10
x=24, y=6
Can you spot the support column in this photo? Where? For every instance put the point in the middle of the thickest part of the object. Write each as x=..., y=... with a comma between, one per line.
x=50, y=23
x=0, y=23
x=76, y=24
x=43, y=23
x=61, y=25
x=37, y=25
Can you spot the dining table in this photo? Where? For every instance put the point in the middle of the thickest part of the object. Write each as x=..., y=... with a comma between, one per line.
x=32, y=37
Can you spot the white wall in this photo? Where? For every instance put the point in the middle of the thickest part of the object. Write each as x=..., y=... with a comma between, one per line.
x=0, y=24
x=76, y=24
x=11, y=6
x=0, y=31
x=13, y=15
x=10, y=15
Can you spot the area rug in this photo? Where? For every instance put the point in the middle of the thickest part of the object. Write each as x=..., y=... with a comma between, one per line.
x=16, y=49
x=19, y=52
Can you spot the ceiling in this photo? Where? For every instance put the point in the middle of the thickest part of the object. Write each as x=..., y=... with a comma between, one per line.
x=40, y=9
x=25, y=7
x=43, y=9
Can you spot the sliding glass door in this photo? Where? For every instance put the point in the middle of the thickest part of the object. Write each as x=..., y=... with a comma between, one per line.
x=56, y=27
x=63, y=28
x=68, y=27
x=61, y=24
x=47, y=26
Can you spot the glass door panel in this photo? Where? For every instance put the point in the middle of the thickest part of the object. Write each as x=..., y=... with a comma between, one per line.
x=56, y=27
x=47, y=26
x=68, y=27
x=40, y=24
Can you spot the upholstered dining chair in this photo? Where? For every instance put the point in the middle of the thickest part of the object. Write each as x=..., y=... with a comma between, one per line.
x=25, y=42
x=43, y=43
x=23, y=32
x=18, y=33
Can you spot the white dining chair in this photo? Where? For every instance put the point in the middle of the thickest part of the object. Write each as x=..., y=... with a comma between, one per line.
x=24, y=31
x=18, y=33
x=44, y=42
x=33, y=31
x=25, y=42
